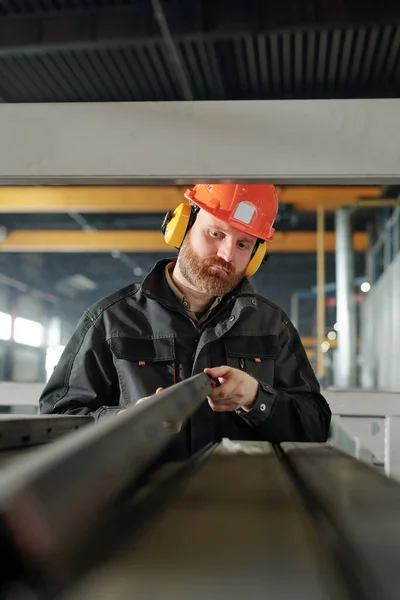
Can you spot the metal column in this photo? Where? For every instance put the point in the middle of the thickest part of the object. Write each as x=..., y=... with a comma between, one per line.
x=320, y=292
x=295, y=310
x=345, y=376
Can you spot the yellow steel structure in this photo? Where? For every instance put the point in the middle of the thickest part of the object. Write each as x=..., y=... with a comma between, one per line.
x=61, y=199
x=311, y=342
x=58, y=199
x=331, y=197
x=150, y=241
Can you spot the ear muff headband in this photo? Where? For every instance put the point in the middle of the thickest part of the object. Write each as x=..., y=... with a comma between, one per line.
x=177, y=222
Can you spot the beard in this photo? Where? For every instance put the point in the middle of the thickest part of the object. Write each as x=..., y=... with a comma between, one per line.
x=200, y=274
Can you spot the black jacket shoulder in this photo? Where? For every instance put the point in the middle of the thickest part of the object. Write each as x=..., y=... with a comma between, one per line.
x=120, y=296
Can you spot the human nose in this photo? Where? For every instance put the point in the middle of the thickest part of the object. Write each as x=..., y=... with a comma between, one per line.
x=226, y=249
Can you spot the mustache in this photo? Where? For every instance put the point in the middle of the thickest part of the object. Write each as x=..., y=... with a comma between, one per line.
x=219, y=262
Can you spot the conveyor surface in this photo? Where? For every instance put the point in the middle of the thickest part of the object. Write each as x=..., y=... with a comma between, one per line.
x=99, y=515
x=235, y=528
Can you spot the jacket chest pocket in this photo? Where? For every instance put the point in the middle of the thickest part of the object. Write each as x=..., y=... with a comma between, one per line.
x=143, y=365
x=254, y=355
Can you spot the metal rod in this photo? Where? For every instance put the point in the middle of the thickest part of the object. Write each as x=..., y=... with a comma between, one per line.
x=85, y=471
x=371, y=545
x=320, y=291
x=21, y=431
x=295, y=310
x=172, y=50
x=345, y=305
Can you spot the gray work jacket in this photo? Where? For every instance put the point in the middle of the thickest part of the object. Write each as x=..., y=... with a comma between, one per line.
x=141, y=338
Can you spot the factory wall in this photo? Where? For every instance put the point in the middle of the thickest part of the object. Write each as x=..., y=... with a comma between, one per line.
x=32, y=335
x=380, y=332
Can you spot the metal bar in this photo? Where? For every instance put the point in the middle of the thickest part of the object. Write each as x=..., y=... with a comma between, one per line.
x=346, y=365
x=392, y=446
x=148, y=241
x=320, y=292
x=207, y=541
x=363, y=403
x=295, y=310
x=89, y=200
x=85, y=471
x=135, y=199
x=244, y=136
x=172, y=50
x=364, y=508
x=18, y=431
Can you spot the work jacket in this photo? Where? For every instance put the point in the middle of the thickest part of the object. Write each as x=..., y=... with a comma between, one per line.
x=141, y=338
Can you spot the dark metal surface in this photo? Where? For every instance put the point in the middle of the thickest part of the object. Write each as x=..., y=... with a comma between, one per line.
x=236, y=528
x=363, y=507
x=96, y=516
x=47, y=500
x=18, y=431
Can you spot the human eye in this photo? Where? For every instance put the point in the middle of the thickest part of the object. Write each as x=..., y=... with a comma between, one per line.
x=214, y=234
x=243, y=245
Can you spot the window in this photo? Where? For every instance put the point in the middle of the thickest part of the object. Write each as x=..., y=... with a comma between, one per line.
x=28, y=332
x=5, y=326
x=53, y=355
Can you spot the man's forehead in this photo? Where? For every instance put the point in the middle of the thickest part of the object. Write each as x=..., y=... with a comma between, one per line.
x=208, y=219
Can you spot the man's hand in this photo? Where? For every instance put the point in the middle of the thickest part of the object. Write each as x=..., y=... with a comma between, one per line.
x=237, y=389
x=171, y=427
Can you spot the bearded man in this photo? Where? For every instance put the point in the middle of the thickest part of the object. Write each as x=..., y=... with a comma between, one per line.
x=199, y=313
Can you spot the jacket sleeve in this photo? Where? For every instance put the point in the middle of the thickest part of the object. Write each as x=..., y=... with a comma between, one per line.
x=85, y=381
x=293, y=410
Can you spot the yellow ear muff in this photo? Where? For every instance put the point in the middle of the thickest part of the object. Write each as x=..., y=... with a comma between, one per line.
x=256, y=260
x=175, y=225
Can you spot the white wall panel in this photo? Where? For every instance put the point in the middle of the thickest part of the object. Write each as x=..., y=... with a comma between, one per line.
x=380, y=342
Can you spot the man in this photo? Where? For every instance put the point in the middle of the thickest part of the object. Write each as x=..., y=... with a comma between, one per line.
x=199, y=313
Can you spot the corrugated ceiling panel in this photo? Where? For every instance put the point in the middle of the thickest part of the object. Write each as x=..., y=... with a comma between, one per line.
x=18, y=7
x=345, y=62
x=392, y=58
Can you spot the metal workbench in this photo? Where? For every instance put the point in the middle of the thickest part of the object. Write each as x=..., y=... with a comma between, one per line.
x=98, y=514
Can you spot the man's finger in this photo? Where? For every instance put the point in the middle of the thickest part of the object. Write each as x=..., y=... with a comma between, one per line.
x=225, y=390
x=216, y=372
x=222, y=407
x=172, y=426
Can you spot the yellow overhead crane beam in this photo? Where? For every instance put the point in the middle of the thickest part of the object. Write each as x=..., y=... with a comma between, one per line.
x=150, y=241
x=331, y=197
x=61, y=199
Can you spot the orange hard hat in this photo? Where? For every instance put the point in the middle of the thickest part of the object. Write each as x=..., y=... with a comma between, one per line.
x=251, y=208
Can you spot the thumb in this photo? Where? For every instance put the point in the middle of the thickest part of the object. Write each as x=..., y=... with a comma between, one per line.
x=217, y=372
